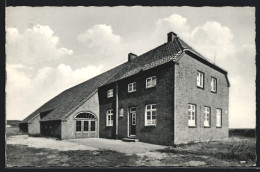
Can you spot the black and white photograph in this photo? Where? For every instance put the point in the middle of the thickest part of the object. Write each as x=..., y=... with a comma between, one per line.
x=130, y=86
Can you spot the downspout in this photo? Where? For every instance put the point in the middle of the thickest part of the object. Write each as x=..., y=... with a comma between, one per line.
x=116, y=110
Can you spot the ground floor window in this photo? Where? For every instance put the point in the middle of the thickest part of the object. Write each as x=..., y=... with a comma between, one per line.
x=218, y=118
x=92, y=126
x=85, y=125
x=191, y=115
x=206, y=116
x=150, y=115
x=109, y=117
x=78, y=125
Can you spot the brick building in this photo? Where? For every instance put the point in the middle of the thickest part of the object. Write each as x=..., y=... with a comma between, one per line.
x=169, y=95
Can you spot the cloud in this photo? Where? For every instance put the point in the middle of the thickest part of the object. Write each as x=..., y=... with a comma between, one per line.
x=25, y=93
x=175, y=23
x=99, y=43
x=215, y=42
x=36, y=45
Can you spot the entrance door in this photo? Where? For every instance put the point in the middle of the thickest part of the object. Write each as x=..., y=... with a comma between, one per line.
x=86, y=126
x=132, y=120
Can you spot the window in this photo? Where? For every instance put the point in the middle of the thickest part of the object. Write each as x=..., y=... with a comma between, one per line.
x=92, y=126
x=133, y=115
x=85, y=125
x=213, y=84
x=110, y=93
x=78, y=125
x=206, y=117
x=150, y=115
x=151, y=82
x=110, y=117
x=218, y=118
x=200, y=79
x=191, y=115
x=131, y=87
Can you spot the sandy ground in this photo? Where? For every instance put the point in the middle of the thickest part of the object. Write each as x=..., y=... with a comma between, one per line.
x=84, y=144
x=118, y=145
x=49, y=143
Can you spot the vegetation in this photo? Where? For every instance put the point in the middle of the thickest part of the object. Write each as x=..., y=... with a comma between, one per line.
x=236, y=149
x=20, y=155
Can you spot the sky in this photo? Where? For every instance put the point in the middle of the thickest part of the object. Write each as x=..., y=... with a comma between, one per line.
x=50, y=49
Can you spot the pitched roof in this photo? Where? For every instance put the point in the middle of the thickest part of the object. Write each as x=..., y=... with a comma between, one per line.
x=67, y=101
x=170, y=51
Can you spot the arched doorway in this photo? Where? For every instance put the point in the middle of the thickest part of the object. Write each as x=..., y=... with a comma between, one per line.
x=86, y=125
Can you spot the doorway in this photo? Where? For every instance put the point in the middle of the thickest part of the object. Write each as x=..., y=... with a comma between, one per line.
x=132, y=121
x=86, y=125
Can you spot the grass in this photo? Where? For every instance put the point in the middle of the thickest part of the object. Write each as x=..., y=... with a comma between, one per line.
x=235, y=149
x=215, y=153
x=24, y=156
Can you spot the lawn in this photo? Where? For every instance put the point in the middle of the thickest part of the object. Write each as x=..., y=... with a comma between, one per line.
x=235, y=151
x=24, y=156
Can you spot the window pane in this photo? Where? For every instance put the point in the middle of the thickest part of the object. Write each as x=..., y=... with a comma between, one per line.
x=85, y=125
x=154, y=81
x=148, y=115
x=78, y=125
x=134, y=86
x=93, y=126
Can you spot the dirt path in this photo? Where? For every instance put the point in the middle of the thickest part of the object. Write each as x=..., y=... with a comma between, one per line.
x=118, y=145
x=48, y=143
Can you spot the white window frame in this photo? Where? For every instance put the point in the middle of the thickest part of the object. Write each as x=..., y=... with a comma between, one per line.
x=218, y=118
x=206, y=116
x=213, y=84
x=151, y=82
x=109, y=118
x=132, y=87
x=109, y=93
x=152, y=110
x=200, y=79
x=191, y=115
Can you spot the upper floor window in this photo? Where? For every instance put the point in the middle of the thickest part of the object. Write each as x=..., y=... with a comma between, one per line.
x=218, y=118
x=213, y=84
x=132, y=87
x=200, y=79
x=191, y=115
x=110, y=93
x=206, y=117
x=109, y=117
x=151, y=82
x=150, y=115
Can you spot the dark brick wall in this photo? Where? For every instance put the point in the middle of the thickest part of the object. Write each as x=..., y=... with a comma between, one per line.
x=170, y=128
x=104, y=105
x=162, y=95
x=187, y=92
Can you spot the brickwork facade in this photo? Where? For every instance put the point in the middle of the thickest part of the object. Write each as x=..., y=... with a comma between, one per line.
x=176, y=88
x=186, y=91
x=161, y=95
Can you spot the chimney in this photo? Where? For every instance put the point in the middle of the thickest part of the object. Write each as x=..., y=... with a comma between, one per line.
x=171, y=36
x=131, y=57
